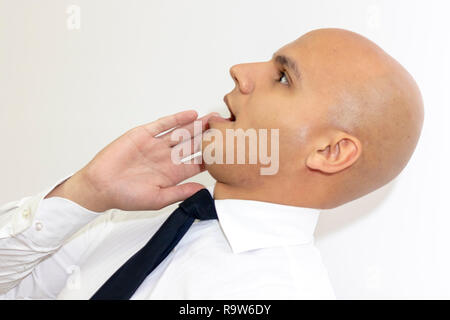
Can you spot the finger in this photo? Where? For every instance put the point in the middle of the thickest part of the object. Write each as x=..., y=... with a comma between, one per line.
x=170, y=195
x=186, y=149
x=169, y=122
x=196, y=159
x=189, y=128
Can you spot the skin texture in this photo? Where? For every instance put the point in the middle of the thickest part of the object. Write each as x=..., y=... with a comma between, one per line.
x=347, y=126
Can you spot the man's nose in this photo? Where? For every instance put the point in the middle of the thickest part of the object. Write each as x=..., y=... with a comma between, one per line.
x=242, y=78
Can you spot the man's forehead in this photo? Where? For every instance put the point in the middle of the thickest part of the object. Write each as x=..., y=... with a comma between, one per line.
x=326, y=42
x=334, y=51
x=291, y=50
x=288, y=49
x=297, y=51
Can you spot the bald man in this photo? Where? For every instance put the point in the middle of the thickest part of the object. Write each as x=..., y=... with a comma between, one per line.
x=349, y=117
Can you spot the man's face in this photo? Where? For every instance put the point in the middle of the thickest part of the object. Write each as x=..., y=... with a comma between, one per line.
x=270, y=95
x=329, y=94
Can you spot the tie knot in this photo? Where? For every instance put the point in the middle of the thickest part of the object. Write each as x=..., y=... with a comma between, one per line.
x=200, y=206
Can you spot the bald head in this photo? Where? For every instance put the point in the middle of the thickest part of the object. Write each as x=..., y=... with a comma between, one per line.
x=369, y=96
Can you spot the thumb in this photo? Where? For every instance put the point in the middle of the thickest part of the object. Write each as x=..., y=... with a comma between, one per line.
x=177, y=193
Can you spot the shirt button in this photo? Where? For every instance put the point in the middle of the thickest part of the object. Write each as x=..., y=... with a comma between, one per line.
x=26, y=213
x=38, y=226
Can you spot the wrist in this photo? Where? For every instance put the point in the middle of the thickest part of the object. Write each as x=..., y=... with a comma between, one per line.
x=79, y=190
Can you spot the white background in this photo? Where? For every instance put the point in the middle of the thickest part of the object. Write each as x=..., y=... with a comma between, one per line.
x=65, y=94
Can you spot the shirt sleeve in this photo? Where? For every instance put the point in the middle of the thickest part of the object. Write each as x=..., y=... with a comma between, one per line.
x=32, y=230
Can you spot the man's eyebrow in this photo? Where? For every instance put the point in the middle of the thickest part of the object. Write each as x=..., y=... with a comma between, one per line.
x=288, y=63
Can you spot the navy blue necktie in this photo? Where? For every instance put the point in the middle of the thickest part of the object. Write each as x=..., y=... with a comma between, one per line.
x=127, y=279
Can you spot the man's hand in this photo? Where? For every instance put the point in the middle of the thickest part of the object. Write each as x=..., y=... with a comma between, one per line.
x=136, y=172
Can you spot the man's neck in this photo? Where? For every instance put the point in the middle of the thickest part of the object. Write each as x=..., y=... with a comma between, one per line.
x=262, y=193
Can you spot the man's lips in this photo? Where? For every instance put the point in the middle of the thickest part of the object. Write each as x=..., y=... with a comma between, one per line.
x=232, y=117
x=218, y=119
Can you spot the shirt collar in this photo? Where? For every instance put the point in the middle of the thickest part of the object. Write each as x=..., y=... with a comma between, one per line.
x=250, y=225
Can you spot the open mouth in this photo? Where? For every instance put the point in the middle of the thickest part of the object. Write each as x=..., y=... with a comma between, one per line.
x=231, y=118
x=232, y=115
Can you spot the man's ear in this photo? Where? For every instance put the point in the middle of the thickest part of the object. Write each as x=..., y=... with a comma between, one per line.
x=336, y=155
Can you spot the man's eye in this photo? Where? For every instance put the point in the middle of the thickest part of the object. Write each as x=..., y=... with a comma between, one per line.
x=283, y=79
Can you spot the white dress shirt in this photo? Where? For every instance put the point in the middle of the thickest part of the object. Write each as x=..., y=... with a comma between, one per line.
x=55, y=249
